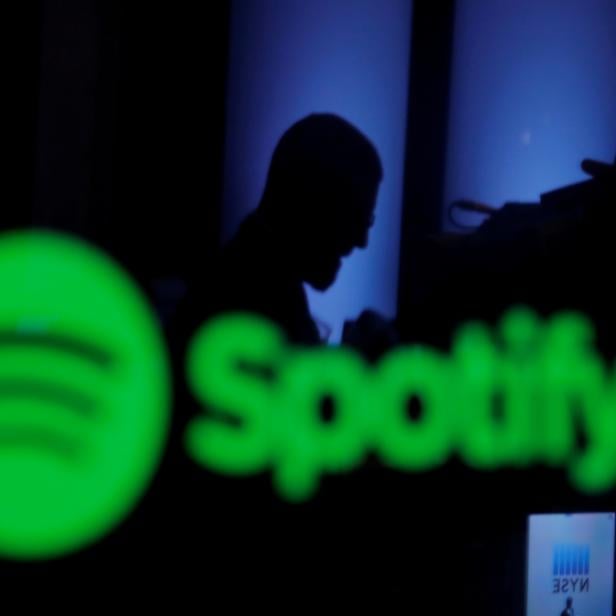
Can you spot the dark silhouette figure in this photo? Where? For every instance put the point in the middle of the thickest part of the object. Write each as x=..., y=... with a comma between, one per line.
x=554, y=255
x=568, y=611
x=317, y=207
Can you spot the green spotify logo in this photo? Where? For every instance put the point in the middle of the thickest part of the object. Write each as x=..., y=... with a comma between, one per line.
x=85, y=399
x=84, y=395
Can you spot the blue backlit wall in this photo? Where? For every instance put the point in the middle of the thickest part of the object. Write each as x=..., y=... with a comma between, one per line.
x=533, y=92
x=289, y=58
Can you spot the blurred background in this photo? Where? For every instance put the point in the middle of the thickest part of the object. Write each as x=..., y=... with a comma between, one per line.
x=148, y=127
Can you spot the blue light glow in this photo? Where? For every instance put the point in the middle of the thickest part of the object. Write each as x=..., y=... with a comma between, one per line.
x=289, y=58
x=533, y=93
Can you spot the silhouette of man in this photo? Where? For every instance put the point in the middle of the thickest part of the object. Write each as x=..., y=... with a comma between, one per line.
x=568, y=611
x=317, y=207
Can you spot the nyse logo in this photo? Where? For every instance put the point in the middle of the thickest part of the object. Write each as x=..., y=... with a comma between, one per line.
x=571, y=569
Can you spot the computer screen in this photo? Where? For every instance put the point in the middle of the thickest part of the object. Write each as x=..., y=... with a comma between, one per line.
x=570, y=564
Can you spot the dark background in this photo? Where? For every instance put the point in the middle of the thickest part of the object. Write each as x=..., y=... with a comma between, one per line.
x=116, y=133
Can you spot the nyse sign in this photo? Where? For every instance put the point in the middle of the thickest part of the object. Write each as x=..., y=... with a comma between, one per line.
x=570, y=564
x=571, y=569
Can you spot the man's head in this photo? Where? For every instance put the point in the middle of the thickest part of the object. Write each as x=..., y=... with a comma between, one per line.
x=321, y=192
x=569, y=602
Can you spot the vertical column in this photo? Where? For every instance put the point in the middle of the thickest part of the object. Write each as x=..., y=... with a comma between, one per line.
x=75, y=112
x=426, y=140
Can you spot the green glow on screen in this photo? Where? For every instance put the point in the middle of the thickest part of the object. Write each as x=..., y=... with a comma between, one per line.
x=84, y=395
x=506, y=398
